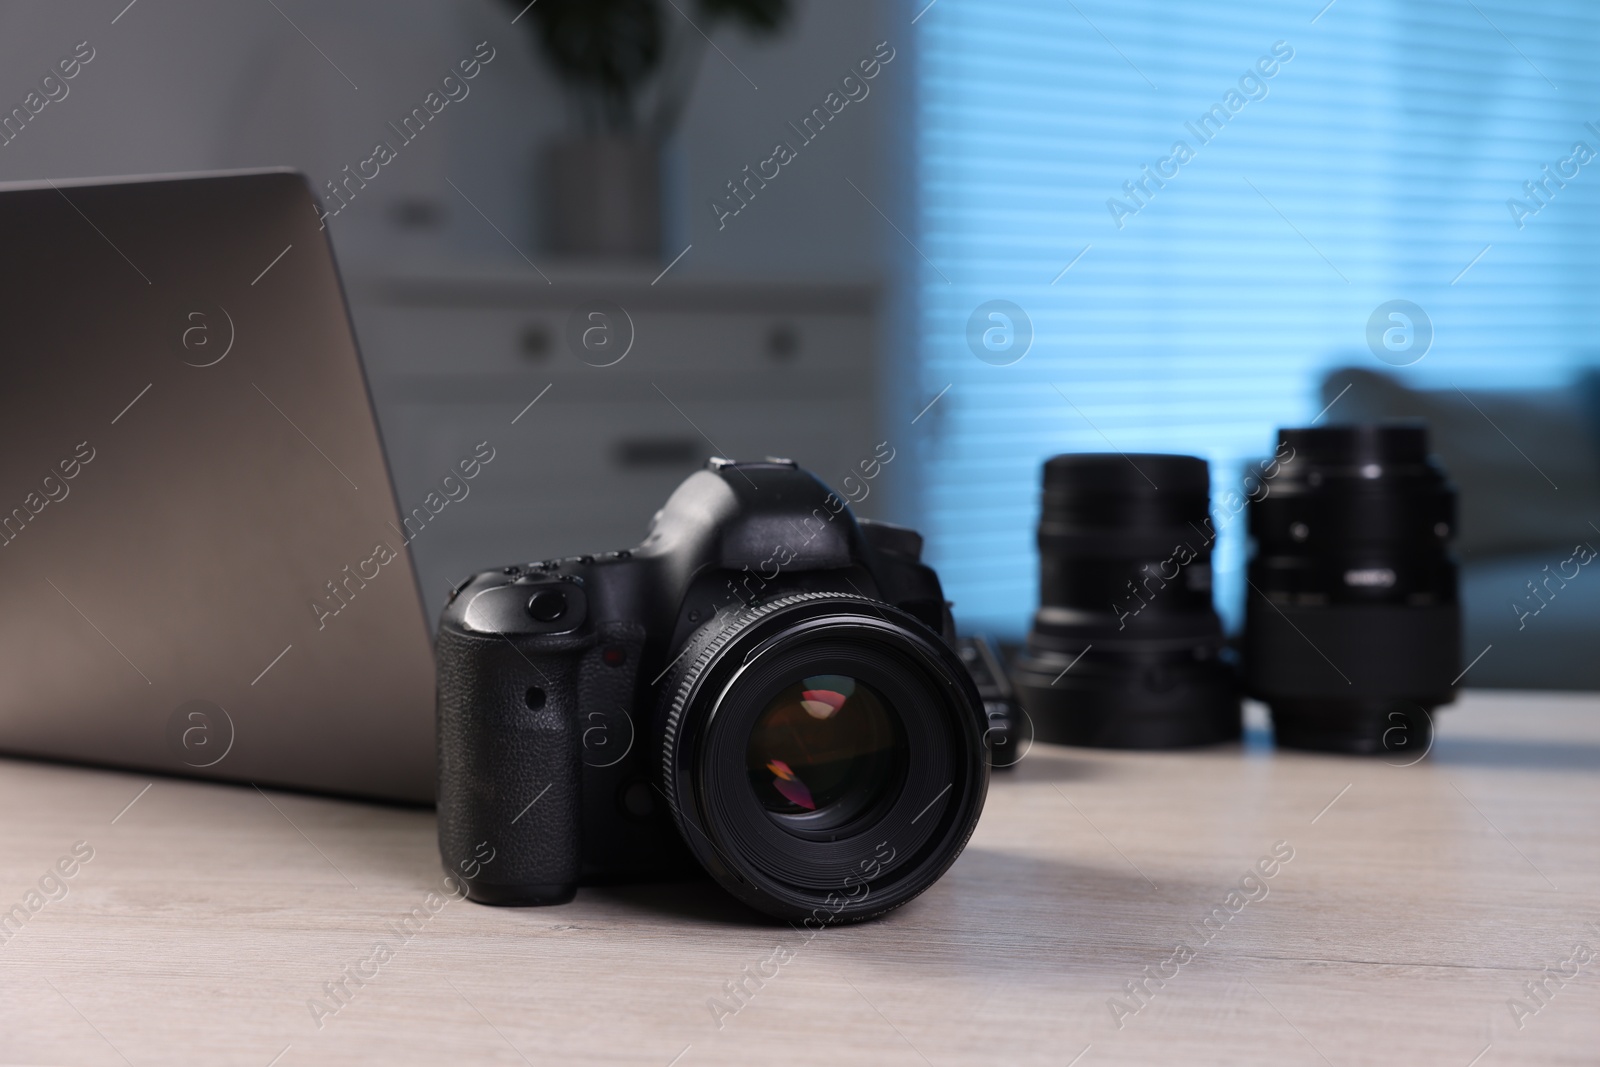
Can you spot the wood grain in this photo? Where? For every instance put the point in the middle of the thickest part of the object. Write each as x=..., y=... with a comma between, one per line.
x=1416, y=905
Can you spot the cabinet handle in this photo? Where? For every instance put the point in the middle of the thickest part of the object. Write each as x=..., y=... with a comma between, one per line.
x=658, y=452
x=535, y=342
x=783, y=342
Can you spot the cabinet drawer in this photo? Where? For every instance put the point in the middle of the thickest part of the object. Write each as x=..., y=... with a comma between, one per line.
x=619, y=448
x=498, y=341
x=757, y=368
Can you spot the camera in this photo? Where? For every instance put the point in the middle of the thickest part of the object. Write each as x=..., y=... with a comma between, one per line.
x=1126, y=649
x=766, y=687
x=1352, y=625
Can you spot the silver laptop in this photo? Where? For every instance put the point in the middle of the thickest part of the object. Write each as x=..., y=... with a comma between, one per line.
x=202, y=568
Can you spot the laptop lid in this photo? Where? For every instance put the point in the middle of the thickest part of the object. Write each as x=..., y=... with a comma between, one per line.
x=202, y=567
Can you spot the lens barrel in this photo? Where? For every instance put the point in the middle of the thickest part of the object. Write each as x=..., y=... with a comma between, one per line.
x=1352, y=623
x=1126, y=650
x=823, y=755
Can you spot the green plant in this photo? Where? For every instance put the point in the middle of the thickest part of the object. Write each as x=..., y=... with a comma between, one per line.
x=629, y=64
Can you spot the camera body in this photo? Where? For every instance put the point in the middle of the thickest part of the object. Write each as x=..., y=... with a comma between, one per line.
x=590, y=708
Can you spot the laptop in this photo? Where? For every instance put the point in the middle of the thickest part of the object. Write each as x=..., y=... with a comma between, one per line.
x=202, y=565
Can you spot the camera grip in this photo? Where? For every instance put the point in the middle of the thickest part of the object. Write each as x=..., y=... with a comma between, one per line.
x=509, y=767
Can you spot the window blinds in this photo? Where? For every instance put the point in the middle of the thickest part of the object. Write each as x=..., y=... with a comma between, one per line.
x=1198, y=210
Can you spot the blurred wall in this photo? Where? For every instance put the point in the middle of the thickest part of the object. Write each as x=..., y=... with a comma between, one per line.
x=179, y=85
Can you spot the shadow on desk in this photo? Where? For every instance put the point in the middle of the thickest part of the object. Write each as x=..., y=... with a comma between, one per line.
x=994, y=915
x=696, y=901
x=1053, y=763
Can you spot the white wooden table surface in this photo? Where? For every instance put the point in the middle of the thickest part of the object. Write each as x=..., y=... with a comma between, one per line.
x=1419, y=904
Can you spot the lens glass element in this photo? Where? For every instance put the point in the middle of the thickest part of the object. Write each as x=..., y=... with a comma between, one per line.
x=827, y=743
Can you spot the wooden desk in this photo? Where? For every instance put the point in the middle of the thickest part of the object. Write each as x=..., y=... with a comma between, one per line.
x=1418, y=902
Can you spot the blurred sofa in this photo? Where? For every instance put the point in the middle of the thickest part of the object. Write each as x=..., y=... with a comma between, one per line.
x=1526, y=465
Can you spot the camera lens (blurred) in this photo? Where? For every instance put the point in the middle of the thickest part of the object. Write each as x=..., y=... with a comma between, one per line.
x=1352, y=625
x=1126, y=647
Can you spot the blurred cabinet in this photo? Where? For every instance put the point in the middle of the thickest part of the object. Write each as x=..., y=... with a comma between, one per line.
x=636, y=384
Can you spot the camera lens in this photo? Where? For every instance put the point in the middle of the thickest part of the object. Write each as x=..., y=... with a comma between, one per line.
x=823, y=750
x=1126, y=648
x=823, y=755
x=1352, y=626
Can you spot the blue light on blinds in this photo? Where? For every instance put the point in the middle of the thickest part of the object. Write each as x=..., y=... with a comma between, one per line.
x=1389, y=155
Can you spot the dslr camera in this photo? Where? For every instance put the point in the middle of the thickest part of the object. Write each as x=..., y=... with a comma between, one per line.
x=766, y=687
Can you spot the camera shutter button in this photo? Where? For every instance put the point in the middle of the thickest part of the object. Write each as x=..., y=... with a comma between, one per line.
x=547, y=605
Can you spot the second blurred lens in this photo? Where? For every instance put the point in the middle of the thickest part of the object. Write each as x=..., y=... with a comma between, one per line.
x=1126, y=648
x=1352, y=629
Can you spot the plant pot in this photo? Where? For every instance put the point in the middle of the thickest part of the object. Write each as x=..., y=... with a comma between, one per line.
x=605, y=197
